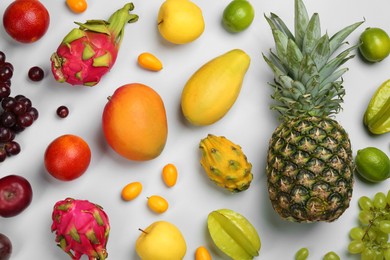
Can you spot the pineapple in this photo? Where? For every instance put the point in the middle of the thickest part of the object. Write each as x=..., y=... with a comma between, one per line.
x=309, y=163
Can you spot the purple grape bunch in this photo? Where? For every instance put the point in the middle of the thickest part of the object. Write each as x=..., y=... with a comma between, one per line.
x=16, y=113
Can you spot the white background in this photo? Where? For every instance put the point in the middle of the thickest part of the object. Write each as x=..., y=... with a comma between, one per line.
x=249, y=123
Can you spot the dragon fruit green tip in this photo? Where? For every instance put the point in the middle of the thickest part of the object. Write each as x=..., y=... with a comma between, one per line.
x=88, y=52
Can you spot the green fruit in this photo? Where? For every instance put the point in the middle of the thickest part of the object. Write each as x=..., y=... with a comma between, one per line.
x=331, y=256
x=233, y=234
x=238, y=16
x=302, y=254
x=377, y=115
x=374, y=44
x=373, y=164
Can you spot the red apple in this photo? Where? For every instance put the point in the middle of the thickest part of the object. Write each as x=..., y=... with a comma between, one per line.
x=5, y=247
x=15, y=195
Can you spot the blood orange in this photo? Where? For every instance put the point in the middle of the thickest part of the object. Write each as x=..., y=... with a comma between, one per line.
x=67, y=157
x=26, y=21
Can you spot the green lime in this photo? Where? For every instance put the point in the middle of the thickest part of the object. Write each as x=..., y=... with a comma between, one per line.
x=238, y=16
x=374, y=44
x=373, y=164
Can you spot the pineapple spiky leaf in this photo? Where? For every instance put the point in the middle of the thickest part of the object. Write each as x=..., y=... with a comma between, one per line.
x=301, y=21
x=313, y=34
x=338, y=38
x=308, y=58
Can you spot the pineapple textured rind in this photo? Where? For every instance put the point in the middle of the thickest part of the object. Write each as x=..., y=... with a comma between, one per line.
x=225, y=163
x=310, y=170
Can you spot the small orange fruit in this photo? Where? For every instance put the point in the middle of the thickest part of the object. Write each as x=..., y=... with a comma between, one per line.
x=67, y=157
x=26, y=21
x=169, y=174
x=158, y=204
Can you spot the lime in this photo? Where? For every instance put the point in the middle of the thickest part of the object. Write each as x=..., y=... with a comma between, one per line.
x=238, y=16
x=373, y=164
x=377, y=115
x=374, y=44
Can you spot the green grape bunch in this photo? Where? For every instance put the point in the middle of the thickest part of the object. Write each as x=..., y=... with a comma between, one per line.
x=370, y=238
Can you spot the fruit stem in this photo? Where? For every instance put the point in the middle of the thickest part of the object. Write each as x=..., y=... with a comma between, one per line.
x=143, y=231
x=118, y=20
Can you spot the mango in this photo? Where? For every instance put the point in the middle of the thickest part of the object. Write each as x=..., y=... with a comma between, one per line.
x=213, y=89
x=135, y=123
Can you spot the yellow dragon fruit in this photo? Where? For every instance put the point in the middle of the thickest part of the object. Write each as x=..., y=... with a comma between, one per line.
x=89, y=52
x=81, y=228
x=225, y=163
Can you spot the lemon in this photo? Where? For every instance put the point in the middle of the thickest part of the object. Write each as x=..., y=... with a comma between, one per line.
x=238, y=16
x=373, y=164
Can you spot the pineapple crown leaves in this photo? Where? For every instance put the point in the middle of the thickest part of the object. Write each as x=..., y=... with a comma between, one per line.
x=307, y=72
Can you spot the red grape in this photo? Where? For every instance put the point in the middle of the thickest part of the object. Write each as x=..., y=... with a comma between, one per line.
x=12, y=148
x=5, y=134
x=33, y=112
x=25, y=120
x=19, y=108
x=36, y=73
x=5, y=73
x=7, y=119
x=8, y=103
x=62, y=111
x=17, y=112
x=2, y=57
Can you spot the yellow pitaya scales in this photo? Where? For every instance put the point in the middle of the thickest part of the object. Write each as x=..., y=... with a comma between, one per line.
x=225, y=163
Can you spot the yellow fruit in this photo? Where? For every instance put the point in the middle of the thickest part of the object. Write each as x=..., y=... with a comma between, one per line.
x=180, y=21
x=161, y=241
x=225, y=163
x=213, y=89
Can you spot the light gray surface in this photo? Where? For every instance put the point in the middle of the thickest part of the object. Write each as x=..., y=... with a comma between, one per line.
x=249, y=123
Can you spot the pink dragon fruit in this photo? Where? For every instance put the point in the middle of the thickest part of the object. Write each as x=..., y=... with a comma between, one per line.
x=89, y=52
x=81, y=227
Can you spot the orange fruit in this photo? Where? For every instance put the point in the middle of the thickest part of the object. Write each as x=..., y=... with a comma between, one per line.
x=134, y=122
x=26, y=21
x=67, y=157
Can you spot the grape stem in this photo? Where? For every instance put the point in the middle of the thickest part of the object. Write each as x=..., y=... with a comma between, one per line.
x=378, y=214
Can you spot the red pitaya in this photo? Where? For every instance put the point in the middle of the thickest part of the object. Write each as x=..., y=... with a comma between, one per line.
x=81, y=227
x=88, y=52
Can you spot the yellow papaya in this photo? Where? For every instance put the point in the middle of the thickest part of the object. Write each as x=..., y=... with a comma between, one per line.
x=213, y=89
